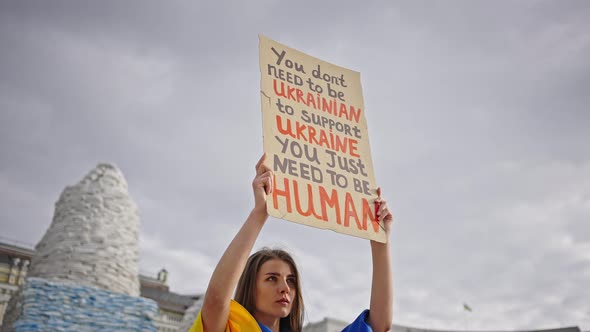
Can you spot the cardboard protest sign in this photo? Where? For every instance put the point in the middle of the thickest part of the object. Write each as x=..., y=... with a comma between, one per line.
x=316, y=140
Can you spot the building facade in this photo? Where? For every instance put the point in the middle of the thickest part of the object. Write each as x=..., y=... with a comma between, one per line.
x=15, y=259
x=14, y=264
x=172, y=307
x=335, y=325
x=175, y=311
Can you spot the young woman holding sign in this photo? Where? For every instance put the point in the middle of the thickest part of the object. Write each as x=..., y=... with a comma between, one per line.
x=268, y=296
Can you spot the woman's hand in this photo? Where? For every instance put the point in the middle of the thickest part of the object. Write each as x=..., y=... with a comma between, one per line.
x=383, y=214
x=262, y=185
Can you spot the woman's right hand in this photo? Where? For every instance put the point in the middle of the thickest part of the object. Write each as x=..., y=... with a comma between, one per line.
x=262, y=185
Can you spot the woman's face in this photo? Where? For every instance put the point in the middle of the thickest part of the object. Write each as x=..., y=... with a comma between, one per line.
x=275, y=291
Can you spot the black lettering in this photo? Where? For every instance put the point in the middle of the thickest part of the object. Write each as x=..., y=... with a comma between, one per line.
x=280, y=56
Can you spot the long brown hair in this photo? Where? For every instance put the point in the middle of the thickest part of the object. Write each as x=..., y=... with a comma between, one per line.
x=246, y=289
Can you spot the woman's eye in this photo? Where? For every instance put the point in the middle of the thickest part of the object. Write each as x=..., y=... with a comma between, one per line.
x=291, y=281
x=271, y=278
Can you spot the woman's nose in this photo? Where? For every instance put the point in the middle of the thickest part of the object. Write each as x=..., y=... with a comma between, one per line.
x=284, y=287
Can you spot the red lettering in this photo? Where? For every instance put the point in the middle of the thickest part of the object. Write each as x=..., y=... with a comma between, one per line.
x=310, y=208
x=331, y=106
x=343, y=110
x=331, y=201
x=368, y=213
x=326, y=105
x=350, y=211
x=340, y=144
x=310, y=100
x=327, y=200
x=288, y=130
x=300, y=97
x=324, y=139
x=353, y=148
x=311, y=135
x=285, y=193
x=282, y=93
x=355, y=114
x=299, y=128
x=290, y=91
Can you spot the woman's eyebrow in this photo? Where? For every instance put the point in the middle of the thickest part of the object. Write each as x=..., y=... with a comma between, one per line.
x=278, y=274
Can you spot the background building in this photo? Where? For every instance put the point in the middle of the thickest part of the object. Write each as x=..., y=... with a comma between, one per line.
x=335, y=325
x=14, y=263
x=171, y=306
x=174, y=310
x=15, y=258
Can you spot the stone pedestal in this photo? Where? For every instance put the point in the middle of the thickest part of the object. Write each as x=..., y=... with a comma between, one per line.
x=43, y=305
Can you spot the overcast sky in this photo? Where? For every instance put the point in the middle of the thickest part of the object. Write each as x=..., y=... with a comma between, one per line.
x=478, y=116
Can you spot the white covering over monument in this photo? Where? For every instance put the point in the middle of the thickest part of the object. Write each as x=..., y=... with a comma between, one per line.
x=93, y=238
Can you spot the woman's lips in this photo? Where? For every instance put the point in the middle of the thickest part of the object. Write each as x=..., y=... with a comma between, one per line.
x=283, y=301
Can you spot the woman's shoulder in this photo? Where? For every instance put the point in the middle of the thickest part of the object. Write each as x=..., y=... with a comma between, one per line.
x=360, y=324
x=242, y=317
x=239, y=320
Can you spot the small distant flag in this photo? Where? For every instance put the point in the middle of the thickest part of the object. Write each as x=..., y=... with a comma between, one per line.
x=467, y=308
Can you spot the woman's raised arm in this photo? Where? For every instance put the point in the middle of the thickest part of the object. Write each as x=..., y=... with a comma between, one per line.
x=381, y=307
x=215, y=310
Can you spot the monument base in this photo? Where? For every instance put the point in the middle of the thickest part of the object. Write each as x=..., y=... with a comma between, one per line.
x=46, y=305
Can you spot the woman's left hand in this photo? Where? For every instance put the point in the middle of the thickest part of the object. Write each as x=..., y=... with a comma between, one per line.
x=383, y=214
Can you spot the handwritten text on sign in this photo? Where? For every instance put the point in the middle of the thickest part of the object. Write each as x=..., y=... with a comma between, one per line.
x=315, y=135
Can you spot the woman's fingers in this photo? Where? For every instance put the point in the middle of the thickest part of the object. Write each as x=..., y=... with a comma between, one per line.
x=261, y=169
x=264, y=181
x=385, y=216
x=262, y=184
x=383, y=213
x=260, y=162
x=267, y=181
x=264, y=175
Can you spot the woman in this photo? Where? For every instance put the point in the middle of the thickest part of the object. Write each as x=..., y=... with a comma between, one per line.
x=269, y=292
